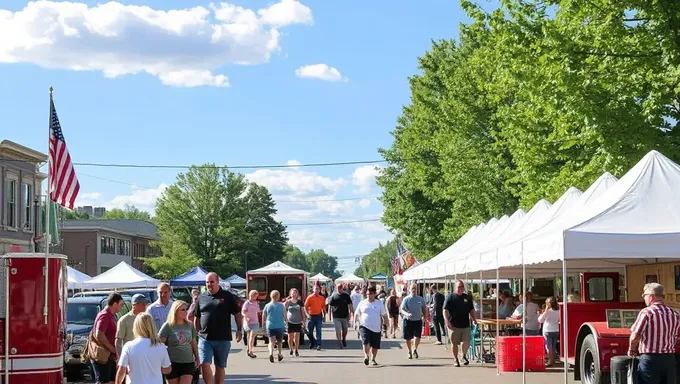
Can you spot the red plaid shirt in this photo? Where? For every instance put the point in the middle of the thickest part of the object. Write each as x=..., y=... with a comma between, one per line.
x=658, y=325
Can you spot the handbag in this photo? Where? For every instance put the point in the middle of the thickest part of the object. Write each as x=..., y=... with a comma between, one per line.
x=632, y=377
x=96, y=352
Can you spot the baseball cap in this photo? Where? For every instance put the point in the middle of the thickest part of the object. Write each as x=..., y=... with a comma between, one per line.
x=139, y=299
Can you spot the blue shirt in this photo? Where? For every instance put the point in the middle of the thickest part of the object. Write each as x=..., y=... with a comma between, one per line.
x=274, y=313
x=414, y=305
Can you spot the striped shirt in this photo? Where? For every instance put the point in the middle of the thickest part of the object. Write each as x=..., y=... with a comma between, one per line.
x=658, y=326
x=159, y=312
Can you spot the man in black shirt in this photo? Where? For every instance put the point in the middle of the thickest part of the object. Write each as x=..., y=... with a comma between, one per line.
x=341, y=303
x=458, y=309
x=435, y=302
x=212, y=318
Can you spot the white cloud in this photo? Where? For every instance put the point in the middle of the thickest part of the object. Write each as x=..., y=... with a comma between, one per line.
x=182, y=47
x=142, y=198
x=89, y=196
x=320, y=72
x=293, y=163
x=364, y=178
x=297, y=182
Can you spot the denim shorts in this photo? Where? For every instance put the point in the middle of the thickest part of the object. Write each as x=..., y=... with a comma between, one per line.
x=104, y=373
x=276, y=333
x=214, y=349
x=551, y=339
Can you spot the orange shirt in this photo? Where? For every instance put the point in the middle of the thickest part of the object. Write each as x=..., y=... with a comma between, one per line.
x=315, y=304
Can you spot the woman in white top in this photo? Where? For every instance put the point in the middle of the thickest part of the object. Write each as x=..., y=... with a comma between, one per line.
x=144, y=359
x=532, y=327
x=550, y=318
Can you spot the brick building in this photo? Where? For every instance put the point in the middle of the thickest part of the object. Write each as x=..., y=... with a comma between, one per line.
x=20, y=190
x=94, y=246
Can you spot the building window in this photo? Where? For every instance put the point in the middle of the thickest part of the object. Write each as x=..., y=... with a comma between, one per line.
x=27, y=200
x=108, y=245
x=11, y=203
x=123, y=247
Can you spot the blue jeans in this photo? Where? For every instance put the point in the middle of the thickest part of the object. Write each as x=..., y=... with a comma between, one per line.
x=217, y=349
x=657, y=369
x=314, y=324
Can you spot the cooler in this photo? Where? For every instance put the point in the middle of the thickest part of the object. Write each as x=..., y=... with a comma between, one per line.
x=509, y=353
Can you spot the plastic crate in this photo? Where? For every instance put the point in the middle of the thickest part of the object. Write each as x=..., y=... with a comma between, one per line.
x=509, y=353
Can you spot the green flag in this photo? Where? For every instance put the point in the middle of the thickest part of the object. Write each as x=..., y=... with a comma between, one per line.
x=54, y=229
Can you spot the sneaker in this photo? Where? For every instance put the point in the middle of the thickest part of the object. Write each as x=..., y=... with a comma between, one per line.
x=375, y=362
x=318, y=347
x=252, y=355
x=438, y=343
x=297, y=354
x=291, y=352
x=271, y=358
x=465, y=361
x=280, y=357
x=344, y=343
x=415, y=353
x=457, y=363
x=410, y=355
x=366, y=361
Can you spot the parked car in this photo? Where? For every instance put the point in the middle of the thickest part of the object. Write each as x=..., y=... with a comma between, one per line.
x=80, y=315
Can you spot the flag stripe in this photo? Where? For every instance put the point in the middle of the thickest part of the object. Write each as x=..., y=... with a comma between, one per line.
x=64, y=185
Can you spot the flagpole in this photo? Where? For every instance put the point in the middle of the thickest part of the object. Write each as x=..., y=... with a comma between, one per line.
x=46, y=269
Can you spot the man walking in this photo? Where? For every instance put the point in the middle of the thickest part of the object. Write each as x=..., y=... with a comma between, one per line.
x=160, y=308
x=213, y=320
x=314, y=306
x=458, y=309
x=371, y=315
x=436, y=305
x=653, y=337
x=413, y=310
x=341, y=303
x=126, y=323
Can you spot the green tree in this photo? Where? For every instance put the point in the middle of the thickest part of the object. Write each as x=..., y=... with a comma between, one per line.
x=220, y=218
x=378, y=260
x=129, y=212
x=322, y=262
x=175, y=260
x=68, y=214
x=294, y=257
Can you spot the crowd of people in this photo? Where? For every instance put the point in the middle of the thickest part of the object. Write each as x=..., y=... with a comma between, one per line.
x=173, y=341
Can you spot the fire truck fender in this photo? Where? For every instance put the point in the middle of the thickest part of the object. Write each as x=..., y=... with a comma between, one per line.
x=585, y=330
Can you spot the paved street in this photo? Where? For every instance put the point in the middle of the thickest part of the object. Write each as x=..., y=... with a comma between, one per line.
x=333, y=365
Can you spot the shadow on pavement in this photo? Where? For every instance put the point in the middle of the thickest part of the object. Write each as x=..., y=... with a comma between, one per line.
x=260, y=379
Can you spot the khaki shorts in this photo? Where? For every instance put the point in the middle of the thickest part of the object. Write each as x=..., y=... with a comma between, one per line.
x=340, y=324
x=460, y=335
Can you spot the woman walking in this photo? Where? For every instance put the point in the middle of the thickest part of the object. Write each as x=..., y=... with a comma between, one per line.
x=550, y=318
x=144, y=359
x=180, y=335
x=274, y=316
x=295, y=315
x=251, y=324
x=392, y=306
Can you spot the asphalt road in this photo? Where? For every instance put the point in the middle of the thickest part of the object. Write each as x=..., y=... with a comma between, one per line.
x=332, y=365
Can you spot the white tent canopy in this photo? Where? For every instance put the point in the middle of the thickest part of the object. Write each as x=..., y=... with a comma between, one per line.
x=349, y=278
x=121, y=276
x=277, y=268
x=320, y=277
x=75, y=278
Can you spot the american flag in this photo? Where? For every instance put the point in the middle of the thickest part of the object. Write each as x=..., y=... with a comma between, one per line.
x=406, y=259
x=64, y=185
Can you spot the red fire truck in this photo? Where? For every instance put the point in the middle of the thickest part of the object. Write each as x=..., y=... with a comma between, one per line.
x=33, y=291
x=593, y=339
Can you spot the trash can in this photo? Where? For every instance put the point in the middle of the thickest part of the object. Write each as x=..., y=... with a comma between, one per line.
x=618, y=366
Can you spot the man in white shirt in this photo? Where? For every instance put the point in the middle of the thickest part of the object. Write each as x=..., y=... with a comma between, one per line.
x=160, y=308
x=371, y=314
x=532, y=326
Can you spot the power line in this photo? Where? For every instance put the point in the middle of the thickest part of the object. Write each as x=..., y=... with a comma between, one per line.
x=167, y=166
x=333, y=222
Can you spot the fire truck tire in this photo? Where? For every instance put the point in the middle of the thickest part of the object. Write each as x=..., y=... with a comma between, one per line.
x=590, y=363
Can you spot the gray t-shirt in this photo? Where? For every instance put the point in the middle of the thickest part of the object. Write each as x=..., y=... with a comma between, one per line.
x=414, y=305
x=179, y=339
x=293, y=314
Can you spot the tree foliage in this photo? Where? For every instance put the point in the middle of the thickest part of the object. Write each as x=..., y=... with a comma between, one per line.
x=533, y=98
x=219, y=218
x=378, y=260
x=315, y=261
x=129, y=212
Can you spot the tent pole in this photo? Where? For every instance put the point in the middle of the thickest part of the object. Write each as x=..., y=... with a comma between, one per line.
x=481, y=313
x=498, y=322
x=565, y=320
x=524, y=315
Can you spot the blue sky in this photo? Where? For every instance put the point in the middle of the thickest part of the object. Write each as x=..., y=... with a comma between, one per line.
x=141, y=86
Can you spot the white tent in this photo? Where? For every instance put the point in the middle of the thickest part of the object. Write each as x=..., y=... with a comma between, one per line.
x=349, y=278
x=320, y=277
x=121, y=276
x=277, y=268
x=75, y=278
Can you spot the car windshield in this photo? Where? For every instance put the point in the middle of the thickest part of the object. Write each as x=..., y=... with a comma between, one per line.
x=78, y=313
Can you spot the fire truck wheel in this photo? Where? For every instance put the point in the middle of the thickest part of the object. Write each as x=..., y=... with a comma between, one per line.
x=590, y=363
